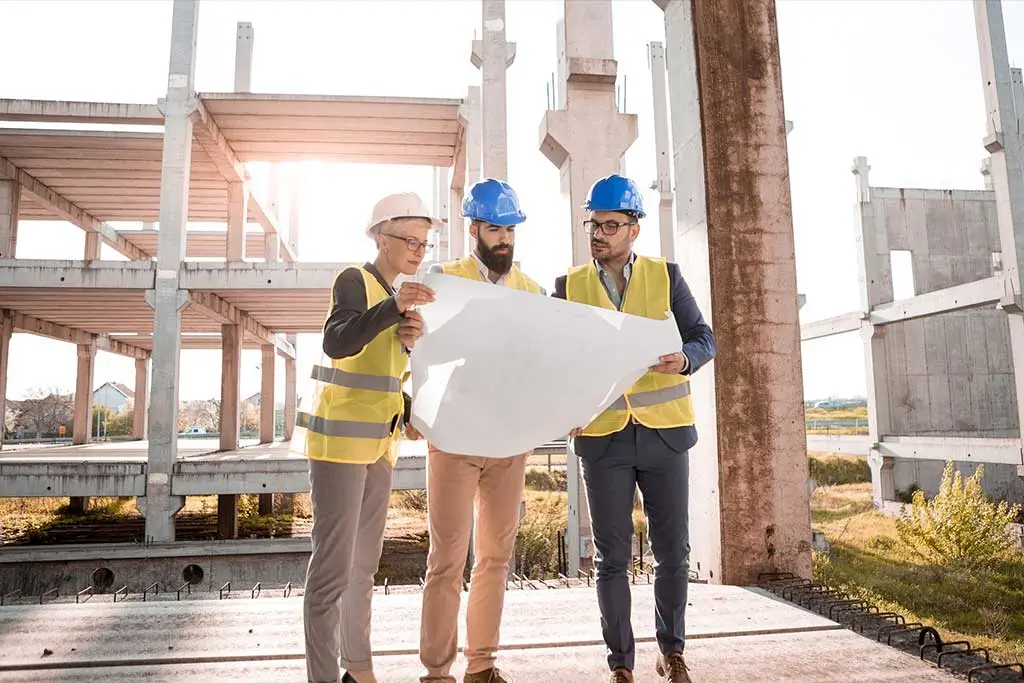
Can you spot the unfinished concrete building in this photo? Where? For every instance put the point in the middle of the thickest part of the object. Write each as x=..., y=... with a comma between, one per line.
x=945, y=368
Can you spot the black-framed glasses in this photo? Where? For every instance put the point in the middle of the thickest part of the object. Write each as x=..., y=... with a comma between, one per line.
x=411, y=243
x=609, y=228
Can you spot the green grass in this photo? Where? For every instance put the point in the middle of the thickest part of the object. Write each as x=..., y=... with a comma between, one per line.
x=866, y=560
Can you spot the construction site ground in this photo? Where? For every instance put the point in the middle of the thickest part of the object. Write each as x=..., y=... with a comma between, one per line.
x=548, y=636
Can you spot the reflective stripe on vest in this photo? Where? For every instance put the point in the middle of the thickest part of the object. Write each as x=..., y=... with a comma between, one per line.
x=656, y=400
x=355, y=406
x=467, y=267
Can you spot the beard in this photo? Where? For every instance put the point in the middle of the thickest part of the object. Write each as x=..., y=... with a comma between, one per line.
x=499, y=262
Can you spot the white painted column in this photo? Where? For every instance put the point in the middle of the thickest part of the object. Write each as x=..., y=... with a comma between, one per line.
x=141, y=398
x=662, y=151
x=1004, y=143
x=82, y=432
x=493, y=55
x=585, y=141
x=10, y=200
x=6, y=330
x=874, y=271
x=158, y=505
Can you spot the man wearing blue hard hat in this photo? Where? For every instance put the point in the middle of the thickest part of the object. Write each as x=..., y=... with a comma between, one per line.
x=643, y=438
x=456, y=484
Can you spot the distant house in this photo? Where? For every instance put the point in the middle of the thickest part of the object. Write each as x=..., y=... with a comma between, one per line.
x=114, y=396
x=253, y=400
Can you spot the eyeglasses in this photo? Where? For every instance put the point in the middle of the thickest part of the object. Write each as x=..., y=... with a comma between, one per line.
x=609, y=228
x=411, y=243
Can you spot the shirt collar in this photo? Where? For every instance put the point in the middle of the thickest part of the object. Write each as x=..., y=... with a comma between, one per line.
x=625, y=271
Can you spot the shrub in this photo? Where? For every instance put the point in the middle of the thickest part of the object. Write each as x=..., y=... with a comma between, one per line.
x=414, y=500
x=960, y=528
x=537, y=540
x=834, y=470
x=540, y=479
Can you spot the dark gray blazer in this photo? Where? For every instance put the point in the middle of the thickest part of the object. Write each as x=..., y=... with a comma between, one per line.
x=698, y=347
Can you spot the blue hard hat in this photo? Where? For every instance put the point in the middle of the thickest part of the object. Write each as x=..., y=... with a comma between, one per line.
x=615, y=193
x=492, y=201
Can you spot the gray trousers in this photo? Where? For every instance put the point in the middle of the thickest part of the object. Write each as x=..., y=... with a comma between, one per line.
x=613, y=467
x=350, y=509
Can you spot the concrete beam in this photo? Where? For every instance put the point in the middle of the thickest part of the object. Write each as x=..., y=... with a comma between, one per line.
x=1002, y=451
x=278, y=475
x=985, y=292
x=102, y=342
x=60, y=111
x=224, y=312
x=73, y=479
x=827, y=327
x=219, y=276
x=77, y=274
x=71, y=212
x=216, y=146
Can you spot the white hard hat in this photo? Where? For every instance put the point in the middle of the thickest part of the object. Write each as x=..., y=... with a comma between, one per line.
x=401, y=205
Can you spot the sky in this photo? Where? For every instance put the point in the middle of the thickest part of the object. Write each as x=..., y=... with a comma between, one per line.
x=896, y=81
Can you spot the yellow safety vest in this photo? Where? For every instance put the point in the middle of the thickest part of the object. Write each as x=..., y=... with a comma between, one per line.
x=467, y=268
x=355, y=400
x=657, y=400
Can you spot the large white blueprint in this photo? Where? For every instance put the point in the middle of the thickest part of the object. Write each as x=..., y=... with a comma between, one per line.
x=501, y=372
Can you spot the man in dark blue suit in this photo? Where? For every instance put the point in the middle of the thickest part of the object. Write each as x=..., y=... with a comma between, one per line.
x=643, y=438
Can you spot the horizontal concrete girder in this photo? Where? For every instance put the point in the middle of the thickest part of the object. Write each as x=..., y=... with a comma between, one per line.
x=266, y=276
x=57, y=479
x=78, y=274
x=45, y=328
x=60, y=111
x=223, y=311
x=1006, y=451
x=70, y=211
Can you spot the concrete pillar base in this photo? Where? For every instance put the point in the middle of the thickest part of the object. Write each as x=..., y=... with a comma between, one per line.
x=159, y=510
x=286, y=503
x=883, y=479
x=78, y=505
x=227, y=516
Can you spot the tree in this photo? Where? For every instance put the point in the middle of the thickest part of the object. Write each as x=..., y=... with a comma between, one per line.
x=249, y=417
x=202, y=413
x=10, y=419
x=121, y=424
x=44, y=411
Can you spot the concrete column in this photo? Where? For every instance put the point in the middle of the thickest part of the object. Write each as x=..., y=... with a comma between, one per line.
x=10, y=199
x=1004, y=143
x=663, y=151
x=272, y=241
x=158, y=505
x=585, y=140
x=290, y=393
x=92, y=246
x=986, y=173
x=230, y=390
x=141, y=398
x=441, y=193
x=474, y=136
x=6, y=330
x=267, y=393
x=875, y=275
x=562, y=65
x=294, y=211
x=493, y=55
x=244, y=37
x=83, y=394
x=238, y=211
x=751, y=510
x=456, y=225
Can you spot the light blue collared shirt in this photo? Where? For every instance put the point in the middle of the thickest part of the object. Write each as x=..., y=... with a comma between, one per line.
x=609, y=281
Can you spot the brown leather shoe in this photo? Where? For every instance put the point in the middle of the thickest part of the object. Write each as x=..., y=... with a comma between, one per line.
x=621, y=676
x=672, y=668
x=492, y=675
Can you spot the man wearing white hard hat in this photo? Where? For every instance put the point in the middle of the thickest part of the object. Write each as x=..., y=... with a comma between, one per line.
x=351, y=433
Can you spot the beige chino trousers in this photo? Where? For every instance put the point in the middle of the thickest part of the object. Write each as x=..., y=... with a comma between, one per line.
x=456, y=484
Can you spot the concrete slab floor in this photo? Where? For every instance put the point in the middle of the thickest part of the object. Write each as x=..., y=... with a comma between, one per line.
x=101, y=630
x=837, y=656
